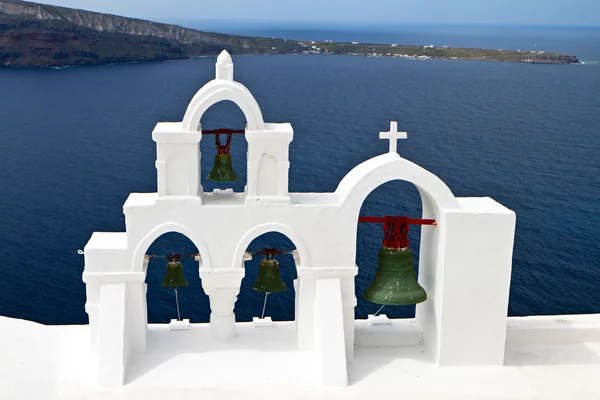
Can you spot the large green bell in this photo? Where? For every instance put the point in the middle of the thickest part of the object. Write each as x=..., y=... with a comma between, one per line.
x=174, y=277
x=269, y=278
x=395, y=283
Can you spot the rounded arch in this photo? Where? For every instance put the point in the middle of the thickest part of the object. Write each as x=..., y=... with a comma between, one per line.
x=366, y=177
x=396, y=197
x=271, y=227
x=220, y=90
x=149, y=238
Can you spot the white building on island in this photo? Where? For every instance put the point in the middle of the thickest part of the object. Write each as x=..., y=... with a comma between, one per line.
x=460, y=345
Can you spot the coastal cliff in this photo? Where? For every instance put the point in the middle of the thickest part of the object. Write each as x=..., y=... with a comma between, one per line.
x=104, y=22
x=39, y=35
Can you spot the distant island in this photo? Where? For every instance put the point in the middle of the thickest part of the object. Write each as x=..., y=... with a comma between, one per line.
x=39, y=35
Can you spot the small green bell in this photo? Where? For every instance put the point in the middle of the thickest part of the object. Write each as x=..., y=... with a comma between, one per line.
x=395, y=282
x=222, y=170
x=269, y=277
x=174, y=277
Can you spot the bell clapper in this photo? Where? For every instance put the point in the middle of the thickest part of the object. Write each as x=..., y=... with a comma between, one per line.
x=380, y=308
x=177, y=302
x=264, y=306
x=174, y=277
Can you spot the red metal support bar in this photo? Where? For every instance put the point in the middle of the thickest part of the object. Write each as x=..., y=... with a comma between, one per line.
x=395, y=229
x=269, y=253
x=411, y=221
x=177, y=256
x=223, y=131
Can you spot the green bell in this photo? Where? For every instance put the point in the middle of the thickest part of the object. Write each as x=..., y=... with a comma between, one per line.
x=174, y=277
x=269, y=278
x=395, y=283
x=222, y=170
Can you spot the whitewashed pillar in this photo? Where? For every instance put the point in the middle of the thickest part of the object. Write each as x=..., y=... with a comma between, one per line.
x=348, y=304
x=305, y=294
x=118, y=321
x=113, y=350
x=177, y=160
x=329, y=332
x=268, y=164
x=296, y=302
x=92, y=308
x=137, y=315
x=477, y=261
x=305, y=314
x=325, y=319
x=222, y=287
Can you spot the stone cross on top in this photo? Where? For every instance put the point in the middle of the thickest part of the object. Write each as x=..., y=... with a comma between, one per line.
x=393, y=135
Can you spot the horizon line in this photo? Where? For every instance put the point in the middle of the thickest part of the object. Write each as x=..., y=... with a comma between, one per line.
x=374, y=22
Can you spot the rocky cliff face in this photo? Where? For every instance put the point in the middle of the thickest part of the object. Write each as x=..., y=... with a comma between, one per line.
x=105, y=22
x=40, y=35
x=55, y=43
x=553, y=59
x=34, y=10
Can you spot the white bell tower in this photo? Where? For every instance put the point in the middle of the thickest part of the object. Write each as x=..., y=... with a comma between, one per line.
x=464, y=262
x=178, y=151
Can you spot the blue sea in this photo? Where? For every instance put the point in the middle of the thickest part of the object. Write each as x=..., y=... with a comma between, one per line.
x=75, y=142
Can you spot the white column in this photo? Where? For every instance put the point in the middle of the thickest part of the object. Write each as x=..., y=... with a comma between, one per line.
x=477, y=260
x=161, y=177
x=348, y=304
x=113, y=348
x=305, y=310
x=305, y=314
x=329, y=332
x=137, y=315
x=92, y=308
x=283, y=168
x=296, y=302
x=177, y=160
x=222, y=287
x=252, y=181
x=297, y=299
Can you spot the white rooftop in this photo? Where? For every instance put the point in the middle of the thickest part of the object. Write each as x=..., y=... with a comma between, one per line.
x=550, y=357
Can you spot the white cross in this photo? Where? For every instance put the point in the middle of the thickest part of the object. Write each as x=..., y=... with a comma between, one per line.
x=393, y=135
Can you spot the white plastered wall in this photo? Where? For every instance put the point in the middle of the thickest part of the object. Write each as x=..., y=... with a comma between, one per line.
x=465, y=260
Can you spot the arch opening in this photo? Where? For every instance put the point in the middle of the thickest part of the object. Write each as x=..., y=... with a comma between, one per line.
x=161, y=305
x=366, y=177
x=219, y=90
x=280, y=306
x=396, y=197
x=224, y=114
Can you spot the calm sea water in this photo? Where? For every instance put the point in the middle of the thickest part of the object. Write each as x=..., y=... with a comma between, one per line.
x=75, y=142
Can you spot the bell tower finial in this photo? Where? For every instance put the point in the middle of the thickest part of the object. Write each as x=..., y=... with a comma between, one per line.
x=224, y=67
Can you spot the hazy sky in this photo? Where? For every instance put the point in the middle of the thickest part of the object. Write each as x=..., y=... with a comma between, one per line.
x=522, y=12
